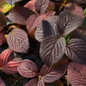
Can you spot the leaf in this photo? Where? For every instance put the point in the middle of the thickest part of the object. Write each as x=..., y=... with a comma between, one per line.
x=11, y=2
x=41, y=6
x=41, y=83
x=67, y=22
x=17, y=16
x=1, y=82
x=52, y=49
x=5, y=7
x=76, y=50
x=6, y=56
x=75, y=9
x=77, y=74
x=32, y=82
x=17, y=40
x=11, y=66
x=56, y=73
x=2, y=37
x=78, y=1
x=2, y=20
x=28, y=69
x=45, y=29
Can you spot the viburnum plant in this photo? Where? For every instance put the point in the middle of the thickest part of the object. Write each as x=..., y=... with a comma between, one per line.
x=52, y=44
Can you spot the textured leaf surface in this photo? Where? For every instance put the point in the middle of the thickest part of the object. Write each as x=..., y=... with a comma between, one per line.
x=18, y=40
x=5, y=57
x=17, y=16
x=28, y=69
x=2, y=20
x=76, y=50
x=11, y=2
x=2, y=37
x=41, y=83
x=1, y=82
x=52, y=49
x=55, y=73
x=41, y=6
x=45, y=29
x=75, y=9
x=11, y=66
x=77, y=74
x=67, y=22
x=32, y=82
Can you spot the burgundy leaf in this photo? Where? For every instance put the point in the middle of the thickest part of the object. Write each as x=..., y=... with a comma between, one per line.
x=67, y=22
x=76, y=50
x=52, y=49
x=75, y=9
x=45, y=29
x=6, y=56
x=77, y=74
x=41, y=6
x=2, y=20
x=11, y=2
x=41, y=83
x=1, y=82
x=56, y=72
x=78, y=1
x=11, y=66
x=2, y=37
x=17, y=40
x=28, y=69
x=32, y=82
x=17, y=16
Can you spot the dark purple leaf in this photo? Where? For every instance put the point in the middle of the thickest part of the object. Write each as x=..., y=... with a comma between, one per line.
x=17, y=40
x=78, y=1
x=2, y=20
x=19, y=15
x=52, y=49
x=77, y=74
x=32, y=82
x=75, y=9
x=1, y=82
x=41, y=6
x=11, y=2
x=28, y=69
x=45, y=29
x=67, y=22
x=76, y=50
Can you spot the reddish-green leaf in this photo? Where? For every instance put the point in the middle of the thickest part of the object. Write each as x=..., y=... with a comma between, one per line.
x=52, y=49
x=67, y=22
x=2, y=20
x=17, y=40
x=11, y=66
x=28, y=69
x=77, y=74
x=1, y=82
x=41, y=6
x=32, y=82
x=76, y=50
x=75, y=9
x=17, y=16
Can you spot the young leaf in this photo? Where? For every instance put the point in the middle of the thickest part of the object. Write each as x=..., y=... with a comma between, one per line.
x=76, y=50
x=67, y=22
x=52, y=49
x=77, y=74
x=45, y=29
x=5, y=57
x=11, y=2
x=32, y=82
x=28, y=69
x=18, y=40
x=2, y=37
x=17, y=16
x=2, y=20
x=11, y=66
x=75, y=9
x=1, y=82
x=41, y=6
